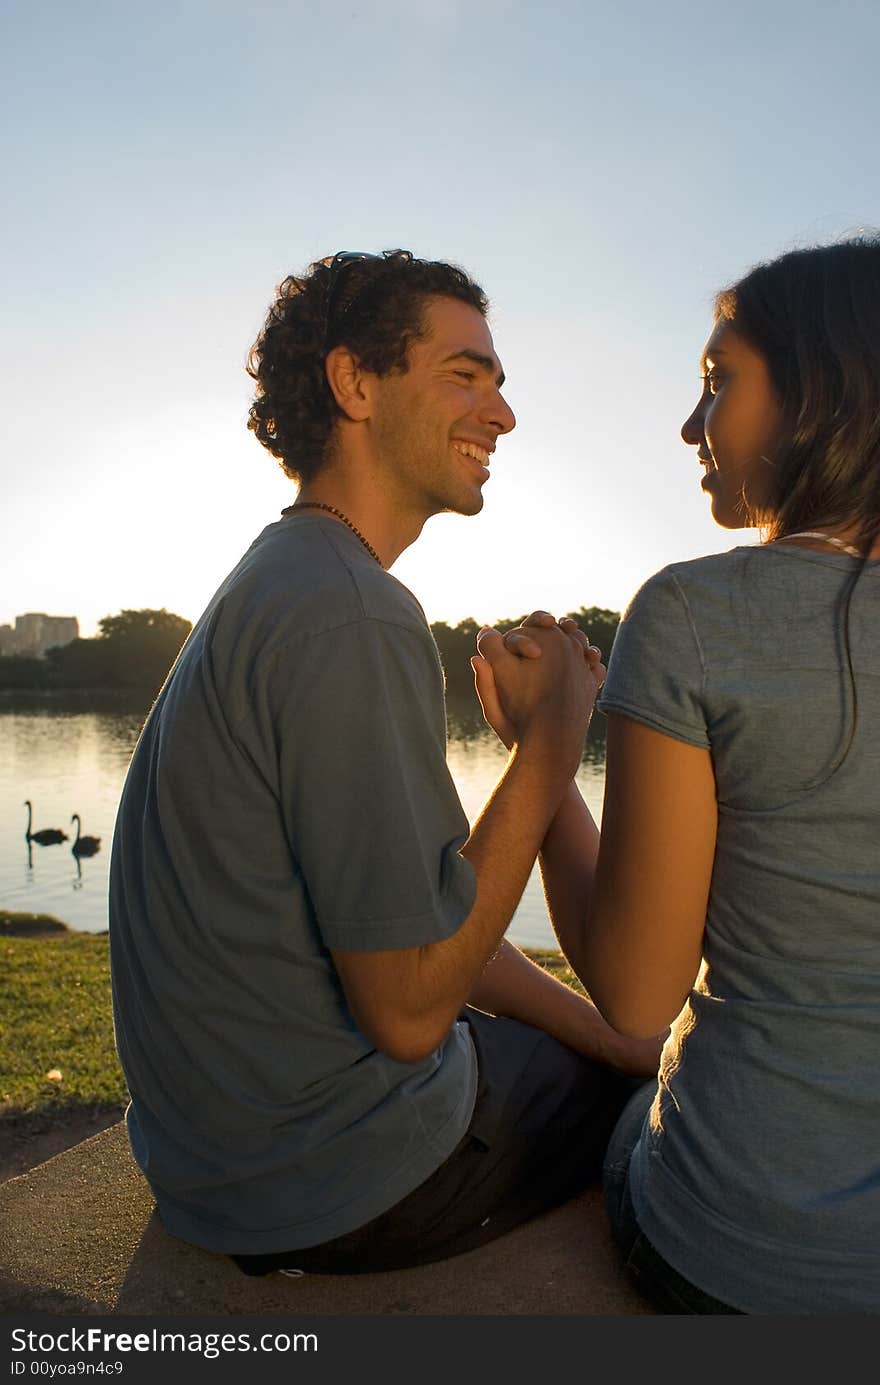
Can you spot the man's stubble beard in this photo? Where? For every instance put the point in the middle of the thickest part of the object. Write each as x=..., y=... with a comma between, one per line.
x=421, y=472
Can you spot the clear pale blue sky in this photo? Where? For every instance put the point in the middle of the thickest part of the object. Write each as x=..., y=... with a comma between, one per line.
x=600, y=168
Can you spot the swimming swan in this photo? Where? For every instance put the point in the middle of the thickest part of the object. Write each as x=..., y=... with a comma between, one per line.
x=47, y=836
x=84, y=846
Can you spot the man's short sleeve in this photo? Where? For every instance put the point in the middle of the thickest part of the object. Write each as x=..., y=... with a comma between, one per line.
x=371, y=811
x=655, y=673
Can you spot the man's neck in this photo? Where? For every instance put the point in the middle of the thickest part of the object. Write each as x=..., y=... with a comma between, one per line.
x=373, y=515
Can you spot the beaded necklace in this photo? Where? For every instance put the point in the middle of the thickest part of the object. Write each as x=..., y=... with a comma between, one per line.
x=332, y=510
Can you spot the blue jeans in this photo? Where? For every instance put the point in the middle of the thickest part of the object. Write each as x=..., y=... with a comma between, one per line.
x=656, y=1279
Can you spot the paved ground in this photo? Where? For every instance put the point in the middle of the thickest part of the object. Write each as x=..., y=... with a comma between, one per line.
x=81, y=1236
x=29, y=1141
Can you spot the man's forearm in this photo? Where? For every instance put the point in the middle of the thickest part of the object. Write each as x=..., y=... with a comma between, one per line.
x=502, y=849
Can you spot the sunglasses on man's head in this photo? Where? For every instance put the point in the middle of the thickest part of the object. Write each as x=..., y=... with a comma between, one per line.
x=339, y=268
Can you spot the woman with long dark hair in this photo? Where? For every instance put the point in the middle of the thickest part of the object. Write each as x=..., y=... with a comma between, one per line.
x=735, y=894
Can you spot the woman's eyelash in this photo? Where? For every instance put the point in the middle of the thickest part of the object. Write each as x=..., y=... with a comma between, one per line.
x=712, y=379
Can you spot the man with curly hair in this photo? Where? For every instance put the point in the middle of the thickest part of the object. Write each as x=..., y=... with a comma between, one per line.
x=336, y=1061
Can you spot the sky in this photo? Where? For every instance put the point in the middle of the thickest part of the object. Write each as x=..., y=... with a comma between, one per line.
x=600, y=168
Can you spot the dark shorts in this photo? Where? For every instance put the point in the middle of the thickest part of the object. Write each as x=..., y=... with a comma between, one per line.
x=537, y=1136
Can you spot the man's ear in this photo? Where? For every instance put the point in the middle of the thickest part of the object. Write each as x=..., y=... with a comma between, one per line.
x=345, y=376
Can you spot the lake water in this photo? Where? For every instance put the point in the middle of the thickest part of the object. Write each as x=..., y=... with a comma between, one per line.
x=69, y=754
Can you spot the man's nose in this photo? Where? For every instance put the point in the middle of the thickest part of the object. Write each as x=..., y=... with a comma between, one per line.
x=499, y=414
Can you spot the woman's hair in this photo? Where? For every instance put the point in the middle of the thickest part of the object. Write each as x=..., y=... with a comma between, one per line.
x=373, y=304
x=814, y=315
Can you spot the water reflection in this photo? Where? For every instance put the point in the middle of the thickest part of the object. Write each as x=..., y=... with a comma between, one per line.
x=70, y=753
x=464, y=720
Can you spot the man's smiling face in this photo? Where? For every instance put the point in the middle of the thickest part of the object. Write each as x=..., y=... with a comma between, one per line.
x=435, y=426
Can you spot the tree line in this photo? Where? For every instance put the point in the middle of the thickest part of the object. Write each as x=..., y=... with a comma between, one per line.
x=457, y=643
x=135, y=650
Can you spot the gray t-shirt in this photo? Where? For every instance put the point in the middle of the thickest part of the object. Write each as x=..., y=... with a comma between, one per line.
x=289, y=793
x=757, y=1175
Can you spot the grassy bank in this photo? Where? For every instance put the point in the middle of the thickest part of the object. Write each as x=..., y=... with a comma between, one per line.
x=57, y=1056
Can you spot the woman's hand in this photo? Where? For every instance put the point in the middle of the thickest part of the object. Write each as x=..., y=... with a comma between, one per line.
x=519, y=642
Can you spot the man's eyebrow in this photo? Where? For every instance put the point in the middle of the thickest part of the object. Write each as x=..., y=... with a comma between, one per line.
x=486, y=362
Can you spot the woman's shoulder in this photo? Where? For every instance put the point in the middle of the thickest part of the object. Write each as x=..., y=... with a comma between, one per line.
x=680, y=582
x=711, y=567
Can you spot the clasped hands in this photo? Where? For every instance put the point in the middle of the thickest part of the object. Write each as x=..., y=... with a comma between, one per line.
x=543, y=670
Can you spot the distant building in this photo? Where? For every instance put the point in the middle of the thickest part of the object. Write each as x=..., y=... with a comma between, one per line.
x=36, y=632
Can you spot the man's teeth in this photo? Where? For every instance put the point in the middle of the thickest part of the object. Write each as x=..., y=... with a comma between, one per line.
x=470, y=449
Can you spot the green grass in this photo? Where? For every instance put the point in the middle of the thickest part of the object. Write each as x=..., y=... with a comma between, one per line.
x=555, y=963
x=55, y=1016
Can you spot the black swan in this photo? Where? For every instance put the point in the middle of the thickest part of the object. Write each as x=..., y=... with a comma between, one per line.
x=47, y=836
x=84, y=846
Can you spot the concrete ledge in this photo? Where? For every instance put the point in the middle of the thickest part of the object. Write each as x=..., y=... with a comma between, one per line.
x=80, y=1235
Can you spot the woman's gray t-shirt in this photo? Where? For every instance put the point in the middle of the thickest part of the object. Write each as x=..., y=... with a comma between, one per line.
x=758, y=1172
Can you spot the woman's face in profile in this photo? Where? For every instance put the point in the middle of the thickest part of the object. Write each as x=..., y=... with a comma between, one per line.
x=735, y=426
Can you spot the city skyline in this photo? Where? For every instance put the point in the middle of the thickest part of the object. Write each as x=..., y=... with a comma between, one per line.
x=33, y=632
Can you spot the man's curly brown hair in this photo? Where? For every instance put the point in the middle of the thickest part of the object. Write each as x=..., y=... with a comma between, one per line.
x=377, y=309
